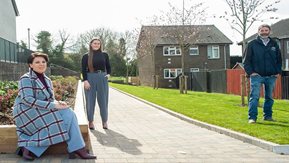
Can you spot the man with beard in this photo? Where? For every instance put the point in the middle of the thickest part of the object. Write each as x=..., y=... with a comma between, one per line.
x=262, y=62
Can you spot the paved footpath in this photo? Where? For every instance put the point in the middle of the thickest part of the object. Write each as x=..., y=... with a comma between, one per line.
x=141, y=133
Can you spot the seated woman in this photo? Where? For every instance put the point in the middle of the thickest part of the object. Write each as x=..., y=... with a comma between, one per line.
x=40, y=120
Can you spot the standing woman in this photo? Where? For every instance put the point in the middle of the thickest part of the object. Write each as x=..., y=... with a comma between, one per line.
x=95, y=72
x=40, y=120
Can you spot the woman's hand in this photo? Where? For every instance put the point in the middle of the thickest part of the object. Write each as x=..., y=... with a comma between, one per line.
x=254, y=74
x=107, y=76
x=86, y=85
x=61, y=105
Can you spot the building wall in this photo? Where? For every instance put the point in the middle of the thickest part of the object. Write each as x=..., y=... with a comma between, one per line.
x=200, y=61
x=284, y=51
x=7, y=21
x=145, y=67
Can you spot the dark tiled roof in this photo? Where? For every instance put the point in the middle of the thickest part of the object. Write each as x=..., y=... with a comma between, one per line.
x=15, y=7
x=194, y=34
x=279, y=30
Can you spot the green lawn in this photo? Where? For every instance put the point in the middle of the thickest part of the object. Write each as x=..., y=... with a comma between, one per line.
x=218, y=109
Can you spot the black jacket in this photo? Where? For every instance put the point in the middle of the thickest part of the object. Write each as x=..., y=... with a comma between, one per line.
x=261, y=59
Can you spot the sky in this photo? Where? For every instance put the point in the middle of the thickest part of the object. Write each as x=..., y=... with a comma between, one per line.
x=80, y=16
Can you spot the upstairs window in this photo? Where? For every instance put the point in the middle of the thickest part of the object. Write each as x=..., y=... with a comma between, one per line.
x=194, y=50
x=171, y=50
x=213, y=52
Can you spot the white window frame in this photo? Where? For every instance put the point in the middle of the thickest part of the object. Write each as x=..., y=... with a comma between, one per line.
x=194, y=47
x=172, y=72
x=194, y=69
x=211, y=51
x=171, y=51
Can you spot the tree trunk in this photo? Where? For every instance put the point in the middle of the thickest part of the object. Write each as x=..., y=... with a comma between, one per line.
x=186, y=84
x=154, y=81
x=248, y=88
x=126, y=74
x=181, y=84
x=243, y=88
x=157, y=81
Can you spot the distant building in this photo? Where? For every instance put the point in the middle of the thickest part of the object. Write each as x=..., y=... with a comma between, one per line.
x=158, y=49
x=8, y=14
x=10, y=51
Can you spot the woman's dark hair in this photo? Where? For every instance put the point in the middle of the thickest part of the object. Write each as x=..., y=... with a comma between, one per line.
x=37, y=54
x=90, y=54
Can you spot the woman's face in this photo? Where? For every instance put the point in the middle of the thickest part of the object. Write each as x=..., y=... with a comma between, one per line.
x=39, y=65
x=95, y=45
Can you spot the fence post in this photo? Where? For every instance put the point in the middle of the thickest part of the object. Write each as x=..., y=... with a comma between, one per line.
x=243, y=86
x=247, y=88
x=181, y=84
x=186, y=84
x=157, y=81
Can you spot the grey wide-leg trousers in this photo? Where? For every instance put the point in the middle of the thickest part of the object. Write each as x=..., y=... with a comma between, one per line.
x=98, y=90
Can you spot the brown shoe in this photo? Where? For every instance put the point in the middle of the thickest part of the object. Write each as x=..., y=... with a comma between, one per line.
x=82, y=153
x=91, y=126
x=104, y=125
x=26, y=154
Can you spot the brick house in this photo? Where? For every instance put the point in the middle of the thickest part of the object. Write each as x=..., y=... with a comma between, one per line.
x=159, y=52
x=279, y=32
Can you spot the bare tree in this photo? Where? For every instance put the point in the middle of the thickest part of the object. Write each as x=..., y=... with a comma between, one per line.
x=104, y=34
x=243, y=13
x=127, y=44
x=190, y=14
x=64, y=37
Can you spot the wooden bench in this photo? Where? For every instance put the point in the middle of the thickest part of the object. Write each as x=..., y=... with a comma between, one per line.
x=8, y=136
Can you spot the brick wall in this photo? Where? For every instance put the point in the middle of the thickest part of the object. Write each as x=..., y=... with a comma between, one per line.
x=59, y=70
x=12, y=71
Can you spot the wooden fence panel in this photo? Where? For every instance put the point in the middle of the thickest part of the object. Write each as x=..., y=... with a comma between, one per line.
x=218, y=81
x=199, y=81
x=234, y=84
x=285, y=86
x=234, y=81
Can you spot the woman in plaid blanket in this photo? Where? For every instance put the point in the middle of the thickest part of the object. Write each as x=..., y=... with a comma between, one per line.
x=40, y=120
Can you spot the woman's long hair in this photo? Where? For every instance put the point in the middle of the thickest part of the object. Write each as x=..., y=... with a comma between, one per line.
x=90, y=54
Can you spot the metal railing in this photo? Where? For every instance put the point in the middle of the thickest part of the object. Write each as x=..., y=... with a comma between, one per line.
x=13, y=53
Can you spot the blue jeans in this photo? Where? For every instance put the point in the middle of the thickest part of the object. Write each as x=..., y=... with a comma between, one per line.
x=256, y=83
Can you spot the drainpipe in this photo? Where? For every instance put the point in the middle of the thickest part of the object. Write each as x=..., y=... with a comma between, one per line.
x=225, y=57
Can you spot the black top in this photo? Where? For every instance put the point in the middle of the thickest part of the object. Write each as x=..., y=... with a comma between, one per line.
x=100, y=62
x=42, y=79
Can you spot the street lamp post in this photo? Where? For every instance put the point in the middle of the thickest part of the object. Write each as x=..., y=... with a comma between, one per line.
x=183, y=21
x=28, y=38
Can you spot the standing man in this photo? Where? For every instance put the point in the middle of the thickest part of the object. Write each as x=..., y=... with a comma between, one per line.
x=263, y=63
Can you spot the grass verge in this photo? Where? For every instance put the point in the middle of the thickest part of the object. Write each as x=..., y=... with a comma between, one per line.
x=219, y=109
